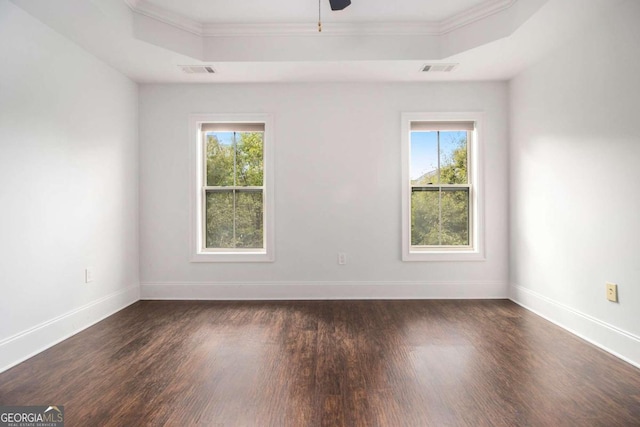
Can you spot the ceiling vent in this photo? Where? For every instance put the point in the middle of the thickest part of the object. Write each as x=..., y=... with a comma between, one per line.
x=197, y=69
x=434, y=68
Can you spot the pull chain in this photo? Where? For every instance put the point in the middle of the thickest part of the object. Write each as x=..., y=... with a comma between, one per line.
x=319, y=18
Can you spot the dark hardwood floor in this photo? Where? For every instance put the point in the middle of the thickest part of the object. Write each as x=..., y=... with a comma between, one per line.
x=328, y=363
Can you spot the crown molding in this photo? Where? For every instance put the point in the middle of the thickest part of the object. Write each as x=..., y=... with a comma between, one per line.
x=143, y=7
x=328, y=28
x=210, y=29
x=474, y=14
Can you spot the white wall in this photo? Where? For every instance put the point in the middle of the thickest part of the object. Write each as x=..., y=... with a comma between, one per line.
x=337, y=187
x=69, y=187
x=575, y=170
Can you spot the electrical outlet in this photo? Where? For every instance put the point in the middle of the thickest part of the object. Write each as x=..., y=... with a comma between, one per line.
x=88, y=275
x=612, y=292
x=342, y=258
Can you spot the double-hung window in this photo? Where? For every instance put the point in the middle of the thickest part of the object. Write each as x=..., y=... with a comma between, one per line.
x=232, y=214
x=441, y=187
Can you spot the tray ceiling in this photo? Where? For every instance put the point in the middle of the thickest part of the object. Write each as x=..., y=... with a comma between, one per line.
x=230, y=11
x=268, y=41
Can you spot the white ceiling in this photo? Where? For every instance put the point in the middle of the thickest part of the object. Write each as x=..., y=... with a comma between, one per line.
x=240, y=11
x=491, y=40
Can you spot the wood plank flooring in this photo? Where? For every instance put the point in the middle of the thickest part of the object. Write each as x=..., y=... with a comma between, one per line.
x=328, y=363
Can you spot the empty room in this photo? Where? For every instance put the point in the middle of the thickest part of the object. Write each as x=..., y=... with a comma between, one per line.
x=319, y=213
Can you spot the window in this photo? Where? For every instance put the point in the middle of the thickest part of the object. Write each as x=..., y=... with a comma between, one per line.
x=441, y=210
x=232, y=208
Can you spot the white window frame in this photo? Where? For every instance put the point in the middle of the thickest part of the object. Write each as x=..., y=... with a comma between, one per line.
x=474, y=252
x=197, y=250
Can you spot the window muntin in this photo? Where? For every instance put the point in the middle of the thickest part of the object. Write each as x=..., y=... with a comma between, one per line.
x=442, y=203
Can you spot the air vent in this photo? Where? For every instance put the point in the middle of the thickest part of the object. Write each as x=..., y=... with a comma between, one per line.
x=197, y=69
x=442, y=68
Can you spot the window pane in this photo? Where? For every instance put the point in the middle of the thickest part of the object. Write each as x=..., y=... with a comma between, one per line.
x=453, y=157
x=249, y=219
x=424, y=158
x=219, y=206
x=424, y=217
x=219, y=158
x=249, y=157
x=455, y=217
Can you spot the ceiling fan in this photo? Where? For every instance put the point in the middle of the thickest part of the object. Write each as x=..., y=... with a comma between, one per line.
x=335, y=5
x=339, y=4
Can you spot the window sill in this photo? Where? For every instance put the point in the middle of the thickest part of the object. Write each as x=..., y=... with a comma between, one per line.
x=232, y=257
x=443, y=256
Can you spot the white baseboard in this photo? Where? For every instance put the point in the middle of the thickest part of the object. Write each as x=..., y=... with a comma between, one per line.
x=616, y=341
x=323, y=290
x=26, y=344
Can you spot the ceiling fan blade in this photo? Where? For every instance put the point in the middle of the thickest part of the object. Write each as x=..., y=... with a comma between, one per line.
x=339, y=4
